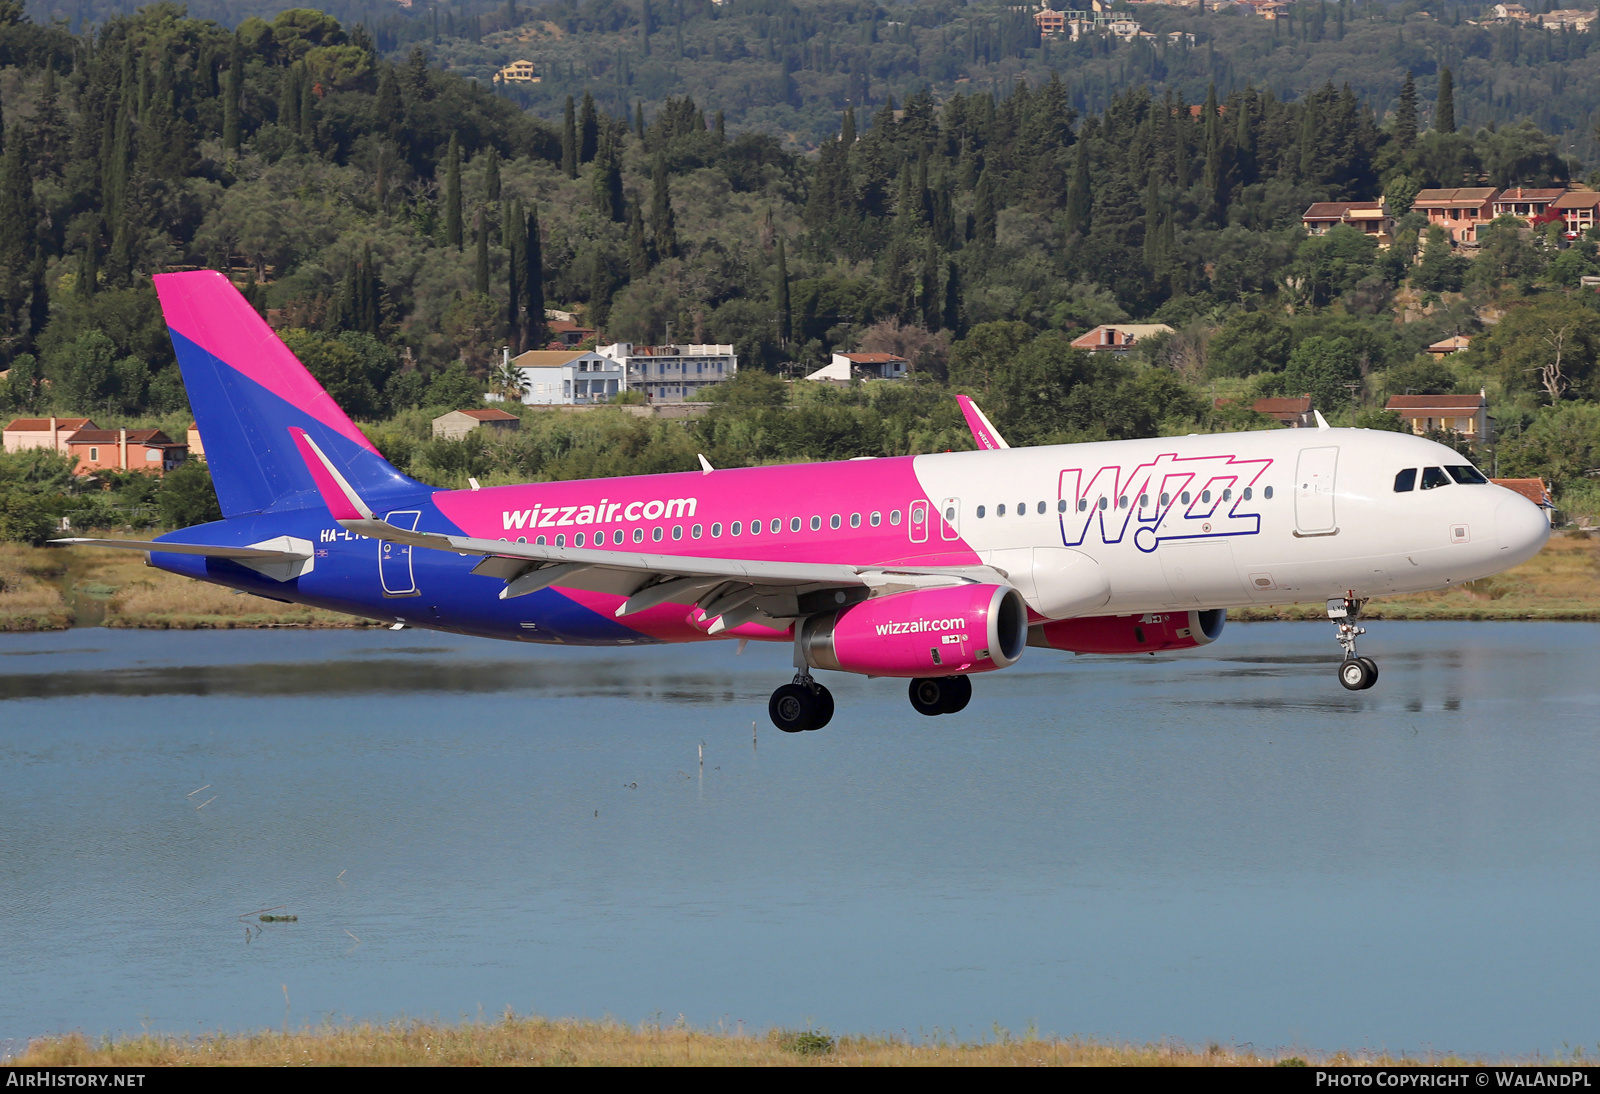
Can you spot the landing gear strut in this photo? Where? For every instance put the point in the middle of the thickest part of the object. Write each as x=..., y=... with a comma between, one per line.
x=1355, y=673
x=940, y=695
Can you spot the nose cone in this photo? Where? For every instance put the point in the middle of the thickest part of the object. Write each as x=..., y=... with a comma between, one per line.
x=1521, y=527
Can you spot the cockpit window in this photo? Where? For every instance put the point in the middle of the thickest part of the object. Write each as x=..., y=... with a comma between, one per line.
x=1434, y=476
x=1405, y=481
x=1467, y=475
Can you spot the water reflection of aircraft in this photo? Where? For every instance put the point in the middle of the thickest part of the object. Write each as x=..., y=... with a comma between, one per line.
x=929, y=568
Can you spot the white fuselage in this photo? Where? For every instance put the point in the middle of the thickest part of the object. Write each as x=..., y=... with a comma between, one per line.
x=1226, y=520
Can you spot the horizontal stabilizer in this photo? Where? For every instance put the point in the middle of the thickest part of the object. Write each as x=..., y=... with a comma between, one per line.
x=281, y=559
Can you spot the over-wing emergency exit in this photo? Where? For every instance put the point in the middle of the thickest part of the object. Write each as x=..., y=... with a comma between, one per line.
x=928, y=568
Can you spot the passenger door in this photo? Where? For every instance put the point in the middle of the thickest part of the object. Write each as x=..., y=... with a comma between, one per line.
x=1313, y=491
x=394, y=559
x=917, y=522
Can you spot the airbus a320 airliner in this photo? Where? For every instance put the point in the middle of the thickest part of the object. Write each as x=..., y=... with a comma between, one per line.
x=928, y=568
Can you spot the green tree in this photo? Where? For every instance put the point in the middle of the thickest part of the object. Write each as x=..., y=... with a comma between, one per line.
x=1405, y=114
x=1248, y=343
x=1444, y=113
x=453, y=233
x=1441, y=269
x=187, y=497
x=1322, y=367
x=780, y=295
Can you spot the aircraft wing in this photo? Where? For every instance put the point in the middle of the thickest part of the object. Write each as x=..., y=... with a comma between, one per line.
x=733, y=591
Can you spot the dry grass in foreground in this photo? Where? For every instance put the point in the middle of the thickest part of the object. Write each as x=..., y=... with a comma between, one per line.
x=538, y=1041
x=28, y=599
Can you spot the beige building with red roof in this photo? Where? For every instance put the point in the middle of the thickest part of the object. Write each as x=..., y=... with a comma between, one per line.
x=1444, y=347
x=1467, y=415
x=1369, y=217
x=1577, y=209
x=458, y=423
x=1294, y=412
x=148, y=450
x=1118, y=337
x=1458, y=211
x=25, y=433
x=1526, y=204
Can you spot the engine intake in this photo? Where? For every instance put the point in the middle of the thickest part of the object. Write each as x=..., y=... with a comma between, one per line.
x=1147, y=633
x=923, y=632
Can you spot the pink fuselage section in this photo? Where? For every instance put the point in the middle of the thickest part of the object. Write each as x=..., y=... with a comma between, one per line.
x=857, y=513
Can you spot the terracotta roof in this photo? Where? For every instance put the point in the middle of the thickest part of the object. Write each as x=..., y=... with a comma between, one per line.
x=1302, y=405
x=872, y=358
x=562, y=326
x=1532, y=489
x=548, y=358
x=1435, y=402
x=1578, y=199
x=1519, y=194
x=1326, y=210
x=1462, y=195
x=490, y=415
x=151, y=437
x=41, y=425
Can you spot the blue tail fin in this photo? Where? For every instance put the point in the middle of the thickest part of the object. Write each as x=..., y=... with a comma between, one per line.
x=247, y=390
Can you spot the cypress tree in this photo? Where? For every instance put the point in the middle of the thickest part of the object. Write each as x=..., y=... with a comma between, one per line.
x=491, y=177
x=780, y=295
x=952, y=301
x=930, y=297
x=983, y=210
x=608, y=184
x=533, y=280
x=1079, y=197
x=569, y=143
x=452, y=194
x=600, y=287
x=369, y=313
x=1405, y=114
x=638, y=120
x=588, y=130
x=662, y=222
x=289, y=99
x=721, y=127
x=1444, y=115
x=638, y=250
x=847, y=128
x=516, y=272
x=308, y=107
x=480, y=279
x=389, y=109
x=232, y=96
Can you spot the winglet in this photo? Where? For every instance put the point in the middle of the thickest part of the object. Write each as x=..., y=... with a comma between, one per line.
x=1322, y=423
x=983, y=431
x=337, y=493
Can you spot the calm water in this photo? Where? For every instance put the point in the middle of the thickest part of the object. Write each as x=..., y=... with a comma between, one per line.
x=1222, y=845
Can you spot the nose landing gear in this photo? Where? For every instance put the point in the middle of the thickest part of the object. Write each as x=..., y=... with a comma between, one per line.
x=1355, y=673
x=940, y=695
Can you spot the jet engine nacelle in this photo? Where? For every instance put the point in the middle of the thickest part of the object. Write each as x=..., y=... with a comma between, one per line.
x=922, y=632
x=1145, y=633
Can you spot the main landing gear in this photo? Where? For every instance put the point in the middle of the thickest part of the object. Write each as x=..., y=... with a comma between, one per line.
x=801, y=705
x=940, y=695
x=1355, y=673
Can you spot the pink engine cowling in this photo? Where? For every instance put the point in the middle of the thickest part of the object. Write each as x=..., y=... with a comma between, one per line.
x=1147, y=633
x=923, y=632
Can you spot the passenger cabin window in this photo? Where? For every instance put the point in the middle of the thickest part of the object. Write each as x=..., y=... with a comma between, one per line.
x=1434, y=476
x=1467, y=475
x=980, y=512
x=1405, y=481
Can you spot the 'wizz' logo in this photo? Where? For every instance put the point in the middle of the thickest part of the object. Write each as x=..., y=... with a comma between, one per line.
x=1169, y=498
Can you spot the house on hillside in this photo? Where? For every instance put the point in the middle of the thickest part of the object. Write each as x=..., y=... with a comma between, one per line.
x=1528, y=205
x=1368, y=217
x=845, y=367
x=518, y=72
x=567, y=377
x=568, y=333
x=1459, y=211
x=147, y=450
x=677, y=373
x=1577, y=210
x=1294, y=412
x=1444, y=347
x=1052, y=24
x=1467, y=415
x=1118, y=337
x=1562, y=18
x=52, y=433
x=458, y=423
